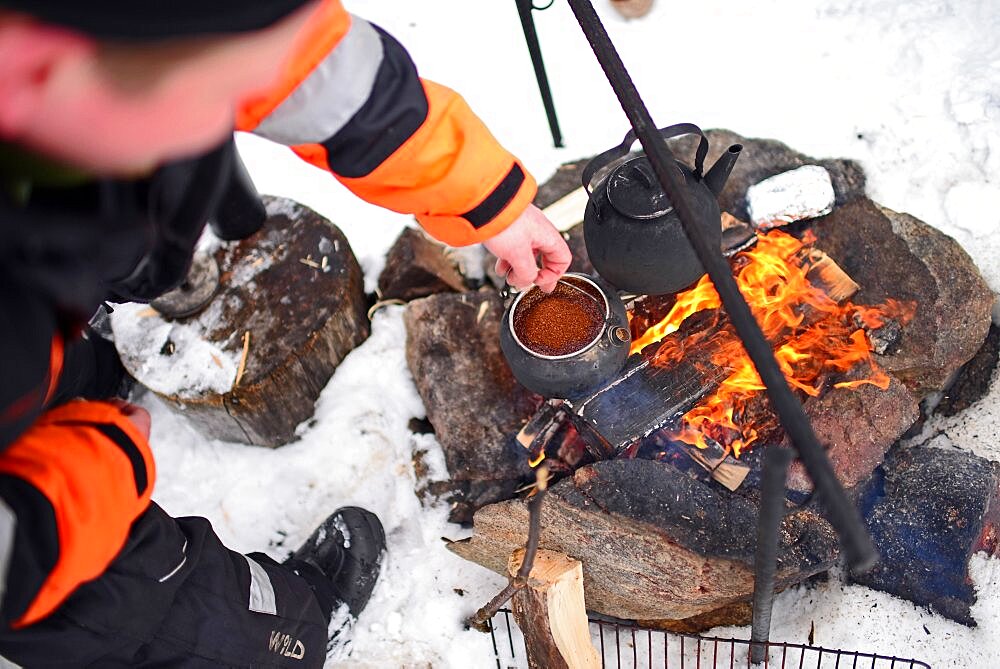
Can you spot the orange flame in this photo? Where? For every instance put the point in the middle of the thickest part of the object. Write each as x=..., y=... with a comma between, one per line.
x=814, y=338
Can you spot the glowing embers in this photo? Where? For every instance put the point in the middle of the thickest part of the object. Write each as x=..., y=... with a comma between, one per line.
x=816, y=340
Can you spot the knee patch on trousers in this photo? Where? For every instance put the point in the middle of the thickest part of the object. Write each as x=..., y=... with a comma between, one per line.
x=95, y=469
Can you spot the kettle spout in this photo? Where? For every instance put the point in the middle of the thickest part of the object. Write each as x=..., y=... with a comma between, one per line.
x=719, y=174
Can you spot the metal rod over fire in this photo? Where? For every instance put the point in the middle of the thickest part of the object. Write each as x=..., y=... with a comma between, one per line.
x=857, y=544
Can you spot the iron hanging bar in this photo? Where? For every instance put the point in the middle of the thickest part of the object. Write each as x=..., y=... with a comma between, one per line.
x=524, y=9
x=858, y=547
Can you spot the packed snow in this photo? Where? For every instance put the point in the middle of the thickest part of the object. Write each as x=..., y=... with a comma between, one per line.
x=911, y=90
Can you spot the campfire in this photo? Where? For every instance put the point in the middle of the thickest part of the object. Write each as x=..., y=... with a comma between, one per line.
x=691, y=394
x=656, y=474
x=787, y=282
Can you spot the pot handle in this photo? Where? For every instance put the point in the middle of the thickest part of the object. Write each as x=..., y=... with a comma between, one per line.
x=507, y=291
x=603, y=159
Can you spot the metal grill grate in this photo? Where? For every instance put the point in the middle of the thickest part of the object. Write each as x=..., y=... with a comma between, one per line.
x=626, y=646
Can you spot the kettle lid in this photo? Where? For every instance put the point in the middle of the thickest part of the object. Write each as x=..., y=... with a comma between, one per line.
x=635, y=192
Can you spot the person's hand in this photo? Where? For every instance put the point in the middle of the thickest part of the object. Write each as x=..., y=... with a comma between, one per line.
x=139, y=416
x=531, y=235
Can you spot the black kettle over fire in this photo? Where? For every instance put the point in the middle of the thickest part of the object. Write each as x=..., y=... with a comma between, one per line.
x=633, y=234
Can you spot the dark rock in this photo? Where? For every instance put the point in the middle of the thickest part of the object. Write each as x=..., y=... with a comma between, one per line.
x=893, y=255
x=760, y=159
x=471, y=397
x=856, y=426
x=655, y=544
x=763, y=158
x=973, y=380
x=927, y=514
x=417, y=266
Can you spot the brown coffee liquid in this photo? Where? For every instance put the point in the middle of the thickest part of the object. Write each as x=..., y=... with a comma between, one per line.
x=562, y=322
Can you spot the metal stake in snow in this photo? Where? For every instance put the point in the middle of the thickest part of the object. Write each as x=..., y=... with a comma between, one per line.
x=858, y=547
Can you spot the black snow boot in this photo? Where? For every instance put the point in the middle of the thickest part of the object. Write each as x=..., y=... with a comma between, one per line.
x=341, y=561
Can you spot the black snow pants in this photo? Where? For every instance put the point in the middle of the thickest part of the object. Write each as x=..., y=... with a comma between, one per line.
x=176, y=597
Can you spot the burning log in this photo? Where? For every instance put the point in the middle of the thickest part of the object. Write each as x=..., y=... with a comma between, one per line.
x=719, y=464
x=826, y=274
x=736, y=235
x=648, y=396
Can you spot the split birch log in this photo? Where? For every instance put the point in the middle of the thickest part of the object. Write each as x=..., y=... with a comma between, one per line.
x=551, y=614
x=567, y=211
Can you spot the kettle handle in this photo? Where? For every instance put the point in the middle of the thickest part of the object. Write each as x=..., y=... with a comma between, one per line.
x=602, y=160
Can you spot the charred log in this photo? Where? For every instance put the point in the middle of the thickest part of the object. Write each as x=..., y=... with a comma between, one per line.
x=655, y=543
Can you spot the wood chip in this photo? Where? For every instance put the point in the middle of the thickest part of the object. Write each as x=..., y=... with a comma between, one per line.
x=309, y=262
x=216, y=360
x=147, y=312
x=483, y=309
x=382, y=303
x=829, y=276
x=243, y=359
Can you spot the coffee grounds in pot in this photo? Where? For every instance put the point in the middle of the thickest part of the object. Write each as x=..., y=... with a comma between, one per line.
x=560, y=323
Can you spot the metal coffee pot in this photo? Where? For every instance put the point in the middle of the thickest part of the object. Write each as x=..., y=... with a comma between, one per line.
x=575, y=371
x=633, y=234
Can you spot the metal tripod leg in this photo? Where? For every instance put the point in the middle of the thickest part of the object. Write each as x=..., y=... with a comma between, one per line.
x=524, y=9
x=772, y=509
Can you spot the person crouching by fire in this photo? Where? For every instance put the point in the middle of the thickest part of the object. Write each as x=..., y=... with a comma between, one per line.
x=116, y=127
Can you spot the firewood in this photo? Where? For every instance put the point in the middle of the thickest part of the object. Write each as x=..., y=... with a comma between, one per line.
x=243, y=359
x=652, y=394
x=828, y=275
x=551, y=613
x=568, y=210
x=723, y=467
x=417, y=266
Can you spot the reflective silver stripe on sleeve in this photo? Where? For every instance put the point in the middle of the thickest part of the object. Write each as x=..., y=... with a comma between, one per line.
x=331, y=94
x=184, y=559
x=261, y=591
x=8, y=523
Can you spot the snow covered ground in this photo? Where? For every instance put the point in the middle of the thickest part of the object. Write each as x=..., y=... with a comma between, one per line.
x=912, y=90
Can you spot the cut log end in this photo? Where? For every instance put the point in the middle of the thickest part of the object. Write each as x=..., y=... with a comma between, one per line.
x=551, y=613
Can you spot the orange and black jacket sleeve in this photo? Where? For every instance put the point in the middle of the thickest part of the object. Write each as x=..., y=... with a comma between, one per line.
x=72, y=478
x=350, y=101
